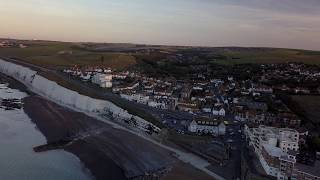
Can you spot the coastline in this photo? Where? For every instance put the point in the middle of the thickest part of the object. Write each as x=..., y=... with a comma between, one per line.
x=55, y=129
x=94, y=150
x=56, y=122
x=136, y=156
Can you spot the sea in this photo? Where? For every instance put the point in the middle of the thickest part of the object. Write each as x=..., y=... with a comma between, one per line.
x=18, y=136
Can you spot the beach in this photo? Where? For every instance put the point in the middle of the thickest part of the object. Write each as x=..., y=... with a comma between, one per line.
x=107, y=152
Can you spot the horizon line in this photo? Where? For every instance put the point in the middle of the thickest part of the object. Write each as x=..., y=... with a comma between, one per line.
x=165, y=45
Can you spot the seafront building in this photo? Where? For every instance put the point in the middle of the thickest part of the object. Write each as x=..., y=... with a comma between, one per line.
x=103, y=80
x=276, y=149
x=208, y=125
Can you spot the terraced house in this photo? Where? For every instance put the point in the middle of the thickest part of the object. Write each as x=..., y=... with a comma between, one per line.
x=207, y=125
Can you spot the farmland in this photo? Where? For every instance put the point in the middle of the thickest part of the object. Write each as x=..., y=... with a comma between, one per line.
x=47, y=53
x=122, y=56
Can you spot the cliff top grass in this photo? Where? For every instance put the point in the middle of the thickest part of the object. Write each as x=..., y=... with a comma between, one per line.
x=61, y=54
x=118, y=56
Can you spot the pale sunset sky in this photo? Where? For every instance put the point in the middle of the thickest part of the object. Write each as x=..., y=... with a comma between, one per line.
x=268, y=23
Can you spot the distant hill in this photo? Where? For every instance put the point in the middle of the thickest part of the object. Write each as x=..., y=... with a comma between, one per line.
x=52, y=53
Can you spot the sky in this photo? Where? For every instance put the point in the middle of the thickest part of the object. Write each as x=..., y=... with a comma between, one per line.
x=266, y=23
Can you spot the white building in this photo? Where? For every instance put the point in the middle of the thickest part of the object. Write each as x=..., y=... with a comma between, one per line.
x=103, y=80
x=288, y=139
x=207, y=125
x=207, y=109
x=129, y=87
x=273, y=147
x=219, y=112
x=86, y=77
x=157, y=104
x=140, y=98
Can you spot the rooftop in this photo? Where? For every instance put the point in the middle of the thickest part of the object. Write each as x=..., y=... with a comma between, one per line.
x=208, y=121
x=273, y=151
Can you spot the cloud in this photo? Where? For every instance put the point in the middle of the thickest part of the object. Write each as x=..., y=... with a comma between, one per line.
x=311, y=7
x=282, y=23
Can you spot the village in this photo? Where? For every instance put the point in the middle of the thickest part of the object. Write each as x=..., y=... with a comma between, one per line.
x=234, y=110
x=11, y=44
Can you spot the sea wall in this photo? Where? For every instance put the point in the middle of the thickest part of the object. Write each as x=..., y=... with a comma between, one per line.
x=67, y=97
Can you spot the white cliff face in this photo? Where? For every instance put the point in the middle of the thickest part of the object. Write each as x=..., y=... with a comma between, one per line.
x=69, y=98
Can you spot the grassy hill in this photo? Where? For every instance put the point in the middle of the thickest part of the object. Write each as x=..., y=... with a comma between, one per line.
x=119, y=56
x=48, y=53
x=266, y=55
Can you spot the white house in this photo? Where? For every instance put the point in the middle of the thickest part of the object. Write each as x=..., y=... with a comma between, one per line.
x=85, y=77
x=140, y=98
x=207, y=125
x=103, y=80
x=219, y=112
x=207, y=109
x=157, y=104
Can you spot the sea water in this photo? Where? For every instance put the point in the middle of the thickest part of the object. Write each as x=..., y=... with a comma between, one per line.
x=18, y=136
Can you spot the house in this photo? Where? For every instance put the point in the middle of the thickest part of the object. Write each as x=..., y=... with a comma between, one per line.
x=301, y=90
x=219, y=112
x=207, y=125
x=186, y=92
x=86, y=77
x=22, y=46
x=187, y=106
x=252, y=105
x=207, y=109
x=126, y=87
x=139, y=98
x=157, y=104
x=103, y=80
x=263, y=89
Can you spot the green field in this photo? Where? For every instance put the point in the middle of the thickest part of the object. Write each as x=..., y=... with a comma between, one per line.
x=266, y=55
x=47, y=53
